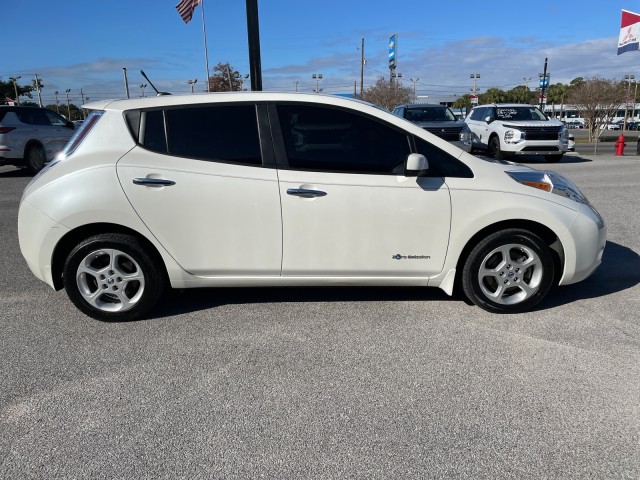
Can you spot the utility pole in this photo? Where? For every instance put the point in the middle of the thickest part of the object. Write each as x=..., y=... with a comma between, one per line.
x=38, y=89
x=57, y=104
x=15, y=87
x=362, y=60
x=253, y=33
x=126, y=81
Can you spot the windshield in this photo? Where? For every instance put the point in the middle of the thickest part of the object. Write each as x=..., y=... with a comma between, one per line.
x=429, y=114
x=523, y=113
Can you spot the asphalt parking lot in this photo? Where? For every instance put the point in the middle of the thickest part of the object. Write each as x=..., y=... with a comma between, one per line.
x=330, y=383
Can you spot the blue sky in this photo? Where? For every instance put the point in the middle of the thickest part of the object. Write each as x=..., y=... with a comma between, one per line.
x=85, y=44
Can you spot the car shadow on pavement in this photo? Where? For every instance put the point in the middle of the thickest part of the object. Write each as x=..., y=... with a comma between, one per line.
x=178, y=302
x=620, y=270
x=12, y=172
x=541, y=161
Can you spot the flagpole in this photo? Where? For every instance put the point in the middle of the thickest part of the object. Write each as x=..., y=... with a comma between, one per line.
x=206, y=52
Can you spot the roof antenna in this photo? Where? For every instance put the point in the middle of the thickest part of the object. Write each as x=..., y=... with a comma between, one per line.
x=153, y=86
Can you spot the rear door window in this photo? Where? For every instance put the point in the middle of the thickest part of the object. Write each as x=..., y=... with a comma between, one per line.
x=217, y=133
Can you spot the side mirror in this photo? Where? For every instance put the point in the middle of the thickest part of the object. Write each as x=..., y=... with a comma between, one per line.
x=415, y=164
x=70, y=125
x=488, y=119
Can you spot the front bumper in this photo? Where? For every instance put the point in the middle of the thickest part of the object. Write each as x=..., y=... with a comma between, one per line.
x=586, y=238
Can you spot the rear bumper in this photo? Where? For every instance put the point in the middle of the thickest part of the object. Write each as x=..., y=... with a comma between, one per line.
x=38, y=235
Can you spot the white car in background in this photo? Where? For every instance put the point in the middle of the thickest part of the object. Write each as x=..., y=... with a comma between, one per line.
x=505, y=130
x=267, y=189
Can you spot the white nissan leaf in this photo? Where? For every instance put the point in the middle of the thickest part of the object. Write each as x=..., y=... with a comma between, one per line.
x=266, y=189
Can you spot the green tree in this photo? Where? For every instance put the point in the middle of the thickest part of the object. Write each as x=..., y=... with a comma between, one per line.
x=225, y=79
x=387, y=95
x=7, y=90
x=493, y=95
x=463, y=102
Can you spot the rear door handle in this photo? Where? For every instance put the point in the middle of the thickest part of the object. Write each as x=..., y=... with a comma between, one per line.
x=305, y=193
x=153, y=182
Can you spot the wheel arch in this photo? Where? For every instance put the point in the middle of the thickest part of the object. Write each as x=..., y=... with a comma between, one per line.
x=545, y=233
x=75, y=236
x=30, y=143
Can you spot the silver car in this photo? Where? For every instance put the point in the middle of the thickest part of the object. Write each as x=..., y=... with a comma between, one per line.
x=29, y=136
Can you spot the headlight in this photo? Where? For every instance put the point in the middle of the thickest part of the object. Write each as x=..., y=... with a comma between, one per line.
x=465, y=135
x=564, y=134
x=550, y=182
x=513, y=136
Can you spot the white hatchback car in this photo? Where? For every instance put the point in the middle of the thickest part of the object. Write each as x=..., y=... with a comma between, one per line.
x=264, y=189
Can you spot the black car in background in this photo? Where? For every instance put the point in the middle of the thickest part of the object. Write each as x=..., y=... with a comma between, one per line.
x=436, y=119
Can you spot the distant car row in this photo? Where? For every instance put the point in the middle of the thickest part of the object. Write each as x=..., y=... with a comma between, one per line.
x=499, y=130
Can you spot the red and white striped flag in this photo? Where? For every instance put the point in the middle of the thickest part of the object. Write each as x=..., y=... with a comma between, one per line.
x=629, y=38
x=186, y=7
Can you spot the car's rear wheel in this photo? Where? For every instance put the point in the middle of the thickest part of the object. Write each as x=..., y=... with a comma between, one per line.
x=112, y=277
x=509, y=271
x=553, y=158
x=494, y=148
x=35, y=157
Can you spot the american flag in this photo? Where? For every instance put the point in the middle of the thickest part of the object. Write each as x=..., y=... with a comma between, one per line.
x=185, y=9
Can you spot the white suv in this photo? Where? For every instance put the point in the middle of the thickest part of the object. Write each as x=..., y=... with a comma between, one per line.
x=276, y=189
x=504, y=130
x=29, y=136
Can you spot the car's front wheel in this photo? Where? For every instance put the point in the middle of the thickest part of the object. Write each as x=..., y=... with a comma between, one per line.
x=509, y=271
x=112, y=277
x=494, y=148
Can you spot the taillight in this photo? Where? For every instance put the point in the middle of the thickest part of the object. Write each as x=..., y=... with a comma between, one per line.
x=80, y=134
x=6, y=129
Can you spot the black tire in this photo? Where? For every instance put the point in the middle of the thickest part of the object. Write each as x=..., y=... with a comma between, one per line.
x=494, y=148
x=35, y=158
x=112, y=277
x=553, y=158
x=509, y=271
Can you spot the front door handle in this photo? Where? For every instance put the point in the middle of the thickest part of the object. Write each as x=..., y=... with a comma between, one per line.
x=153, y=182
x=305, y=193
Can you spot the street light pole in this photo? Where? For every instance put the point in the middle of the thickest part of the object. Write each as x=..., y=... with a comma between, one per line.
x=414, y=87
x=628, y=79
x=142, y=87
x=57, y=104
x=68, y=104
x=317, y=77
x=192, y=83
x=474, y=97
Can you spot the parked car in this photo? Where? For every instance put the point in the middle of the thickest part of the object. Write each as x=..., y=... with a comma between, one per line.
x=574, y=124
x=571, y=145
x=275, y=189
x=503, y=130
x=437, y=119
x=29, y=136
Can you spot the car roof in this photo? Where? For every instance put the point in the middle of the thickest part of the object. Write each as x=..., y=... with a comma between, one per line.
x=506, y=105
x=221, y=97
